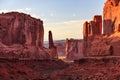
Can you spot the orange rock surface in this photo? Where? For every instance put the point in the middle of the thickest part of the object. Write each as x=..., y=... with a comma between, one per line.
x=111, y=17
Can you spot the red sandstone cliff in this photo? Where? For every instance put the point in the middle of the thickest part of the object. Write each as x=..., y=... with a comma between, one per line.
x=74, y=49
x=90, y=30
x=21, y=36
x=107, y=44
x=111, y=16
x=19, y=28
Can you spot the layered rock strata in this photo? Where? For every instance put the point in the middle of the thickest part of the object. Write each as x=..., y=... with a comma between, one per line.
x=22, y=36
x=111, y=17
x=90, y=30
x=74, y=49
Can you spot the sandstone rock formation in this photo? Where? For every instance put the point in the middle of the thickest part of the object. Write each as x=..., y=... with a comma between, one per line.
x=19, y=28
x=111, y=16
x=100, y=46
x=107, y=44
x=51, y=44
x=93, y=28
x=90, y=30
x=22, y=36
x=96, y=44
x=52, y=47
x=61, y=45
x=74, y=49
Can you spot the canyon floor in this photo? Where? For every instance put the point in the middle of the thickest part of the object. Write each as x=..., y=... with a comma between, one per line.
x=92, y=68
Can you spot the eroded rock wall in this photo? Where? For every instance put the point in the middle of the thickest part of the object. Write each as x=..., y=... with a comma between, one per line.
x=91, y=29
x=106, y=44
x=22, y=36
x=19, y=28
x=74, y=49
x=111, y=17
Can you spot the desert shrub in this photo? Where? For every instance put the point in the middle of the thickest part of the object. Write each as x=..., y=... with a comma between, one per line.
x=21, y=72
x=69, y=78
x=87, y=78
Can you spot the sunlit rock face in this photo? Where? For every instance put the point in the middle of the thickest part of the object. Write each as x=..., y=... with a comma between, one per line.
x=94, y=27
x=90, y=30
x=74, y=49
x=99, y=46
x=21, y=36
x=111, y=16
x=19, y=28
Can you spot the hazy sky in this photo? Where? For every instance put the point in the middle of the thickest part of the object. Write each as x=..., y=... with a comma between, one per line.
x=64, y=18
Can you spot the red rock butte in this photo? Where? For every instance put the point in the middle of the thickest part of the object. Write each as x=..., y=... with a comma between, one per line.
x=22, y=36
x=19, y=28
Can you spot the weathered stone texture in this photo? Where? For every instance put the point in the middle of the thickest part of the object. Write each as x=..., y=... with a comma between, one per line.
x=52, y=47
x=96, y=44
x=111, y=16
x=22, y=36
x=51, y=44
x=19, y=28
x=74, y=49
x=91, y=29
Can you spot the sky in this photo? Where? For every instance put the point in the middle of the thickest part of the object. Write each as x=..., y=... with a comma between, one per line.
x=64, y=18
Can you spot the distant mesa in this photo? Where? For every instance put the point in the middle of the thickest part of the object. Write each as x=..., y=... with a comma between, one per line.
x=22, y=36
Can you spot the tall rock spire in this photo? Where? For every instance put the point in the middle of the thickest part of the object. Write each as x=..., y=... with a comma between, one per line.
x=52, y=47
x=51, y=44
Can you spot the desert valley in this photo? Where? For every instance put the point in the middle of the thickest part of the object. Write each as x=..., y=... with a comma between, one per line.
x=25, y=55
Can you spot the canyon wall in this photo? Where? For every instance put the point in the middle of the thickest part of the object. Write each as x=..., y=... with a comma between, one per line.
x=108, y=43
x=74, y=49
x=19, y=28
x=111, y=17
x=90, y=30
x=22, y=36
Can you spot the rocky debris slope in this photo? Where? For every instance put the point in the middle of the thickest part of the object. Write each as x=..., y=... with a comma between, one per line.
x=22, y=36
x=96, y=68
x=29, y=69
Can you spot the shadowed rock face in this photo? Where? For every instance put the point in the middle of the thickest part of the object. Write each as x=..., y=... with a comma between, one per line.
x=51, y=44
x=52, y=47
x=19, y=28
x=111, y=16
x=74, y=49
